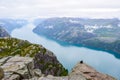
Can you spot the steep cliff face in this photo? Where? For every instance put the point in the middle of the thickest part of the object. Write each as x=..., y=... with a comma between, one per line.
x=43, y=59
x=3, y=32
x=48, y=63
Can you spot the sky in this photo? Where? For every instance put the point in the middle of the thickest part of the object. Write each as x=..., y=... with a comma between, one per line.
x=60, y=8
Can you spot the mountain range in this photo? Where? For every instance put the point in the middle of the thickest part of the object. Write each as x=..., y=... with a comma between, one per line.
x=11, y=24
x=101, y=34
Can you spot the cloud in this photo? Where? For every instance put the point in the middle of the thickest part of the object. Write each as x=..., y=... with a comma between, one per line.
x=54, y=8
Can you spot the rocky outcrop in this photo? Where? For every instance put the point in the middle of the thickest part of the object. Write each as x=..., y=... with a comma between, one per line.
x=15, y=68
x=43, y=59
x=50, y=77
x=72, y=77
x=23, y=68
x=82, y=69
x=18, y=68
x=21, y=60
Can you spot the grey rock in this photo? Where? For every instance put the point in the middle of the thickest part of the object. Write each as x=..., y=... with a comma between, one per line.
x=16, y=63
x=14, y=77
x=4, y=60
x=18, y=66
x=37, y=72
x=76, y=77
x=50, y=77
x=22, y=68
x=34, y=78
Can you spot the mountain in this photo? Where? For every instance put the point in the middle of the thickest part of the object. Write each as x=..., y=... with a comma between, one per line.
x=102, y=34
x=10, y=24
x=3, y=32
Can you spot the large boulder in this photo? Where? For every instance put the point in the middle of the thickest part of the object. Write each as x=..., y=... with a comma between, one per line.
x=16, y=68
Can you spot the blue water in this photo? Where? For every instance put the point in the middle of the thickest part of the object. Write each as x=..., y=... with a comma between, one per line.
x=70, y=55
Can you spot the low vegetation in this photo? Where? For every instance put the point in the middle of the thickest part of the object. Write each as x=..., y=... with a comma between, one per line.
x=13, y=46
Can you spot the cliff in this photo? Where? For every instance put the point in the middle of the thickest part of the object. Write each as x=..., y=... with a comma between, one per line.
x=22, y=68
x=42, y=58
x=22, y=60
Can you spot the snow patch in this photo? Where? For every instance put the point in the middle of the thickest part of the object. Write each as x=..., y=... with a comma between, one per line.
x=73, y=21
x=90, y=28
x=49, y=27
x=119, y=25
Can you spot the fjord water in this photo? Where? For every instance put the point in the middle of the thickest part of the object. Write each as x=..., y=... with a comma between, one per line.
x=70, y=55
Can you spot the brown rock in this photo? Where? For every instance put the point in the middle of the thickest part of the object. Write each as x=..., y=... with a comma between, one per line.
x=1, y=73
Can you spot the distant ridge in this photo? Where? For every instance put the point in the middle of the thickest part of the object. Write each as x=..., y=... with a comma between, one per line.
x=3, y=32
x=101, y=34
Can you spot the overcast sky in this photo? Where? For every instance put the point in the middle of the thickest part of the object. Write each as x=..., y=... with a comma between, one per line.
x=60, y=8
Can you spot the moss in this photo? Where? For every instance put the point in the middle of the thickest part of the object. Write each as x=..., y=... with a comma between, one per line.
x=44, y=51
x=64, y=72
